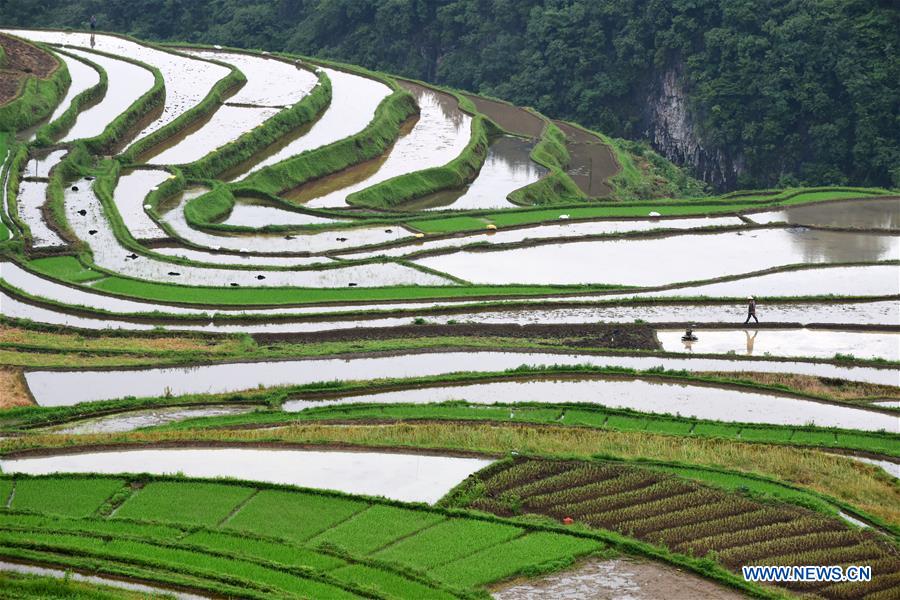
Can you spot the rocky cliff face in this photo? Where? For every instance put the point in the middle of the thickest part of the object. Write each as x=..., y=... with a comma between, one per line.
x=672, y=131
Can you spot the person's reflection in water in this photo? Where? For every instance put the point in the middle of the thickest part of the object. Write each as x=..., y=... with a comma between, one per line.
x=750, y=341
x=93, y=40
x=688, y=345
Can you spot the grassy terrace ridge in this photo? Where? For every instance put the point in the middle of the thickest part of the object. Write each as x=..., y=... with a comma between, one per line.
x=858, y=488
x=151, y=532
x=43, y=81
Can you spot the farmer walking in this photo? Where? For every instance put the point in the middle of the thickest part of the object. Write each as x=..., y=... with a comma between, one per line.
x=93, y=22
x=751, y=310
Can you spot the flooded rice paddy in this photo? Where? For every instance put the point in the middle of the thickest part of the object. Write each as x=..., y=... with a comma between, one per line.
x=129, y=421
x=64, y=388
x=666, y=260
x=514, y=119
x=353, y=102
x=507, y=167
x=225, y=125
x=93, y=228
x=129, y=196
x=869, y=280
x=438, y=136
x=126, y=83
x=188, y=80
x=31, y=199
x=265, y=243
x=562, y=229
x=702, y=402
x=876, y=213
x=403, y=477
x=270, y=82
x=83, y=77
x=811, y=343
x=41, y=166
x=248, y=212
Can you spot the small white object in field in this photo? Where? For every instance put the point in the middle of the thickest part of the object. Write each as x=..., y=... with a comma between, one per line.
x=655, y=214
x=563, y=217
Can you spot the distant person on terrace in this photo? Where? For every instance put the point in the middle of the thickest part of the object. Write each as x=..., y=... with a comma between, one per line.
x=93, y=22
x=751, y=310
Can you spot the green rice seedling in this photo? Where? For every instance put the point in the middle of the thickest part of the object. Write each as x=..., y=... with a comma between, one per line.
x=292, y=515
x=71, y=497
x=582, y=488
x=148, y=531
x=389, y=584
x=242, y=544
x=6, y=488
x=375, y=527
x=626, y=423
x=765, y=434
x=716, y=430
x=22, y=586
x=673, y=427
x=589, y=418
x=447, y=541
x=526, y=555
x=199, y=503
x=886, y=445
x=814, y=438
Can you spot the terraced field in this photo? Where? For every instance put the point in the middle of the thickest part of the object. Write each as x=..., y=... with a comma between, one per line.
x=276, y=327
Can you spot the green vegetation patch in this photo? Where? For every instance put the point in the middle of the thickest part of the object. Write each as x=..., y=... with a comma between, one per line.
x=389, y=584
x=447, y=541
x=527, y=555
x=267, y=550
x=70, y=497
x=375, y=527
x=295, y=516
x=200, y=503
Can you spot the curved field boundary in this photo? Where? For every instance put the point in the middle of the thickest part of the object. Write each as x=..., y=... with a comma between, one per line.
x=689, y=518
x=47, y=134
x=464, y=550
x=455, y=174
x=36, y=96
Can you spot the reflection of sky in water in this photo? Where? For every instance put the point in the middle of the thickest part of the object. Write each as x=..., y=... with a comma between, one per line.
x=507, y=167
x=666, y=260
x=815, y=343
x=94, y=229
x=881, y=213
x=129, y=196
x=646, y=396
x=353, y=103
x=33, y=196
x=438, y=137
x=187, y=80
x=833, y=246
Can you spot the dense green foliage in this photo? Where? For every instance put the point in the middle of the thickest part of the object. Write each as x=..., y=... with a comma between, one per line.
x=797, y=91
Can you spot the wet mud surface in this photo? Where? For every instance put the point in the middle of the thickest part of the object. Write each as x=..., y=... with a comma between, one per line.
x=511, y=118
x=592, y=162
x=619, y=578
x=635, y=337
x=22, y=60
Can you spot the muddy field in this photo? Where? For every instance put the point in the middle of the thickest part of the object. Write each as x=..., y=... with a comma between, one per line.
x=632, y=337
x=22, y=60
x=592, y=163
x=511, y=118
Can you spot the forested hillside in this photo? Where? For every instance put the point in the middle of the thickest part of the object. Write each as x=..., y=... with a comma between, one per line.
x=748, y=93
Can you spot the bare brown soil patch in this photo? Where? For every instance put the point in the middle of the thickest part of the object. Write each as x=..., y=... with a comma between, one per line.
x=22, y=60
x=599, y=579
x=592, y=162
x=13, y=391
x=579, y=335
x=513, y=119
x=824, y=387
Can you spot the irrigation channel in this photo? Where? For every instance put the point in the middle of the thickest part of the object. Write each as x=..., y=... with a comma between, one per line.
x=263, y=343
